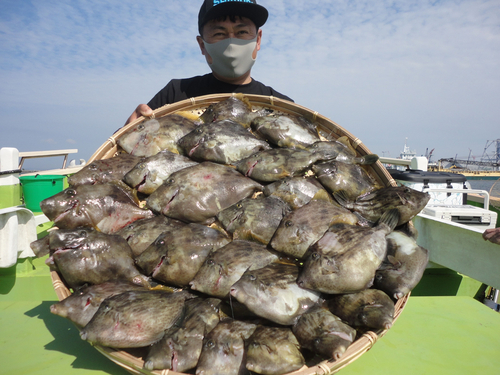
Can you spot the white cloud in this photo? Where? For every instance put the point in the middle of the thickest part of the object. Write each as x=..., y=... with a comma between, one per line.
x=384, y=70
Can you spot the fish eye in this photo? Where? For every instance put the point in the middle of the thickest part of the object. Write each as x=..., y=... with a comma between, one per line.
x=378, y=276
x=171, y=180
x=106, y=307
x=288, y=223
x=93, y=166
x=140, y=127
x=315, y=256
x=317, y=341
x=83, y=233
x=210, y=344
x=142, y=165
x=71, y=192
x=210, y=262
x=252, y=277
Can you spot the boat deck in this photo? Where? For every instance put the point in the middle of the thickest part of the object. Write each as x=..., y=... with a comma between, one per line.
x=434, y=335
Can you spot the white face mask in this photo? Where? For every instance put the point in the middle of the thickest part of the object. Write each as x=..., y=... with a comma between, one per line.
x=231, y=57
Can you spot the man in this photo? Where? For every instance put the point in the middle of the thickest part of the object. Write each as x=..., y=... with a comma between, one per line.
x=492, y=235
x=230, y=38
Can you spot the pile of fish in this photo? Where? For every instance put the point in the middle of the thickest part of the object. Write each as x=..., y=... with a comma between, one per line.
x=238, y=242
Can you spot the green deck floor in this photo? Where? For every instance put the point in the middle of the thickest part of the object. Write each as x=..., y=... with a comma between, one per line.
x=434, y=335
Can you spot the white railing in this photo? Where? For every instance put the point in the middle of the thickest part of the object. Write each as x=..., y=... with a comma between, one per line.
x=46, y=154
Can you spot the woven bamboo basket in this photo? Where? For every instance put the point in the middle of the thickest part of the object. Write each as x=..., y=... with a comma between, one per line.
x=328, y=130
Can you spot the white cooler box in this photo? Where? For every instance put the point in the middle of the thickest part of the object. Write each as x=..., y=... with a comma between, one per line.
x=448, y=201
x=464, y=214
x=420, y=180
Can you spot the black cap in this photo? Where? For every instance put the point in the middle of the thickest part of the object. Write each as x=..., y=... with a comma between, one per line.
x=244, y=8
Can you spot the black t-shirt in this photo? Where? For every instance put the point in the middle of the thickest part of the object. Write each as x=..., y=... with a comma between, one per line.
x=181, y=89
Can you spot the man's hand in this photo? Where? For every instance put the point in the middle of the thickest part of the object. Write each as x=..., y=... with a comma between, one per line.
x=141, y=110
x=492, y=235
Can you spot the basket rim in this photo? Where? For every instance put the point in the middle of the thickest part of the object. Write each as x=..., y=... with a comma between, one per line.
x=364, y=343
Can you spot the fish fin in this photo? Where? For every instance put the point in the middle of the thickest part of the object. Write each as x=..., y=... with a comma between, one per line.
x=396, y=263
x=342, y=198
x=345, y=141
x=189, y=115
x=367, y=159
x=331, y=267
x=363, y=222
x=322, y=195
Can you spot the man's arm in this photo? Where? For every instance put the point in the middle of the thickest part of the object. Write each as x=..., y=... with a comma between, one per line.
x=141, y=110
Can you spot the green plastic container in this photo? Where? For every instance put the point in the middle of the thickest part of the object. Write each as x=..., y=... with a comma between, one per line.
x=37, y=188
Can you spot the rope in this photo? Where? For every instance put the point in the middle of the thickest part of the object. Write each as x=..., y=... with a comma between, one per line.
x=271, y=99
x=356, y=142
x=315, y=115
x=324, y=367
x=112, y=141
x=372, y=337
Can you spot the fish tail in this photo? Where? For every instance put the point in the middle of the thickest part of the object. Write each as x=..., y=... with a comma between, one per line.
x=367, y=159
x=390, y=218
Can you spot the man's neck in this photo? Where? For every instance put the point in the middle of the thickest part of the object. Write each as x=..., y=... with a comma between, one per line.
x=243, y=80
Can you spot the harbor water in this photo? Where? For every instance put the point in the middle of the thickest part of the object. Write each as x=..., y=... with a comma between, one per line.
x=492, y=186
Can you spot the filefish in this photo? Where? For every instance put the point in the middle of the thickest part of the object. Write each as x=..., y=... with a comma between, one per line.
x=152, y=136
x=81, y=306
x=224, y=142
x=176, y=256
x=254, y=219
x=236, y=108
x=87, y=256
x=142, y=233
x=286, y=131
x=223, y=350
x=152, y=172
x=272, y=292
x=276, y=164
x=298, y=191
x=40, y=247
x=196, y=194
x=180, y=349
x=408, y=201
x=342, y=151
x=403, y=267
x=105, y=170
x=367, y=309
x=273, y=351
x=346, y=258
x=105, y=207
x=223, y=267
x=303, y=227
x=323, y=333
x=134, y=319
x=350, y=178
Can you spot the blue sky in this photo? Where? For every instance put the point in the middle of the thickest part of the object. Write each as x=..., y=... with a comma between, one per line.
x=72, y=71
